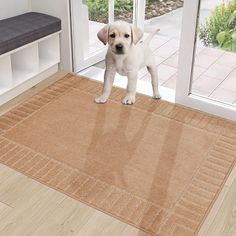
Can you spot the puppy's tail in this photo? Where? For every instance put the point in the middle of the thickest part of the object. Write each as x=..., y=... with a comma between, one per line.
x=150, y=36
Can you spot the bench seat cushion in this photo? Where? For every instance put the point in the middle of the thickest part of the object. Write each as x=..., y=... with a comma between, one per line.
x=26, y=28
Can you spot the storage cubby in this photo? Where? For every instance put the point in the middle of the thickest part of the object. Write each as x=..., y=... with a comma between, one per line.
x=26, y=66
x=49, y=52
x=6, y=73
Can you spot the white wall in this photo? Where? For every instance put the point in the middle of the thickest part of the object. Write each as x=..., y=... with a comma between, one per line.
x=60, y=9
x=9, y=8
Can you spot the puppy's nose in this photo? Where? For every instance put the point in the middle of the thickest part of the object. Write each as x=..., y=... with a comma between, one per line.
x=119, y=47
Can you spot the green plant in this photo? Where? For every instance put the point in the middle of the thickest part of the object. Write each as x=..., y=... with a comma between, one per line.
x=220, y=29
x=227, y=40
x=98, y=9
x=123, y=5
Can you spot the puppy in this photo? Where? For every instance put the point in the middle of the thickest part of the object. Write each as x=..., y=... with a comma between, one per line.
x=126, y=55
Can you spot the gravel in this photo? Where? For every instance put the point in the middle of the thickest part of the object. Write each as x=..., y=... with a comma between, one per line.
x=162, y=7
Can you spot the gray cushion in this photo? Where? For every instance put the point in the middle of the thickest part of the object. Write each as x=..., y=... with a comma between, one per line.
x=26, y=28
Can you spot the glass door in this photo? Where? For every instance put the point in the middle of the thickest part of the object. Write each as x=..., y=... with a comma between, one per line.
x=86, y=48
x=89, y=16
x=207, y=62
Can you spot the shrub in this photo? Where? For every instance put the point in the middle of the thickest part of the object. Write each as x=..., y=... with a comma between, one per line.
x=220, y=29
x=98, y=9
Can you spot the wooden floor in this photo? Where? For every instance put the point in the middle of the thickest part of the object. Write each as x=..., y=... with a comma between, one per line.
x=30, y=208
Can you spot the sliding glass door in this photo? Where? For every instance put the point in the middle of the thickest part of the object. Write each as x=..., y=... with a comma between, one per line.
x=207, y=59
x=207, y=63
x=86, y=48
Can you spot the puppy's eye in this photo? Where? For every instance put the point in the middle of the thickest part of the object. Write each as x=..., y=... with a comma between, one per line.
x=112, y=35
x=127, y=35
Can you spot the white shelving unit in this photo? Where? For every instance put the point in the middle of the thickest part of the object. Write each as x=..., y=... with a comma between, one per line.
x=26, y=66
x=5, y=68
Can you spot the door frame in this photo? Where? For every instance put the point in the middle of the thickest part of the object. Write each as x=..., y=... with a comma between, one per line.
x=184, y=97
x=80, y=38
x=139, y=13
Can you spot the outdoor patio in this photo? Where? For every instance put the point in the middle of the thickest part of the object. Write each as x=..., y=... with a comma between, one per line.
x=214, y=73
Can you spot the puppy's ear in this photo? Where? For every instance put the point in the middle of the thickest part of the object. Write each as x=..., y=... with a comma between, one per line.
x=137, y=34
x=103, y=34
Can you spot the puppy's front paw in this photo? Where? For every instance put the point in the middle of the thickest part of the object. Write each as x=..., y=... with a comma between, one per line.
x=102, y=99
x=128, y=99
x=157, y=96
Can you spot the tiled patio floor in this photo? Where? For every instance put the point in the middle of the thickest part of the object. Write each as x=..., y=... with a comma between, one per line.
x=214, y=71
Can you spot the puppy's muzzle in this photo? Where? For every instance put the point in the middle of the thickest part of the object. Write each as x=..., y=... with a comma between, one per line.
x=119, y=48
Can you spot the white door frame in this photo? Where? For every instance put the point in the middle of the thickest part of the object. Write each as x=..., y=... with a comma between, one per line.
x=111, y=11
x=80, y=37
x=139, y=13
x=185, y=67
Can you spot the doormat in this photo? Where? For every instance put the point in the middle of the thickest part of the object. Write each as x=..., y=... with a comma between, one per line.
x=154, y=165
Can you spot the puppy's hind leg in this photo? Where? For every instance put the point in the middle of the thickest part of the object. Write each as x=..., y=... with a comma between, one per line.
x=109, y=76
x=154, y=76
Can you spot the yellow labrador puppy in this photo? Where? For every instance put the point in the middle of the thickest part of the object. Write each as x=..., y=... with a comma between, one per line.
x=126, y=55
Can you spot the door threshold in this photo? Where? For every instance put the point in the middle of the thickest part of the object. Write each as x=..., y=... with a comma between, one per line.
x=143, y=87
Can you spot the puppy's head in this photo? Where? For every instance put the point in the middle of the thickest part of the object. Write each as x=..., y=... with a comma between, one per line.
x=120, y=36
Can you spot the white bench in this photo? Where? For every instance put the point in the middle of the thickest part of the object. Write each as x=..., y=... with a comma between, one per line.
x=29, y=52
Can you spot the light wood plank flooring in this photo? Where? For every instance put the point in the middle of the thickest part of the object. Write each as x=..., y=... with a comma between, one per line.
x=30, y=208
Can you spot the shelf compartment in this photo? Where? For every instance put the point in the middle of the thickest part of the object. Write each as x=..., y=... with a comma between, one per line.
x=49, y=52
x=25, y=64
x=6, y=73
